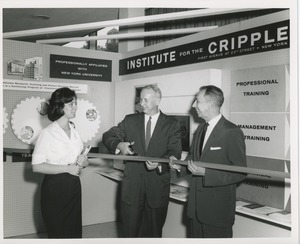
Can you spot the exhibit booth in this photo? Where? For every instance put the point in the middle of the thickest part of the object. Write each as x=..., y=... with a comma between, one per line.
x=248, y=60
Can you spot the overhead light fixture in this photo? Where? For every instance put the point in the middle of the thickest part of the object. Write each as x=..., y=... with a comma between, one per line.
x=123, y=22
x=41, y=16
x=128, y=35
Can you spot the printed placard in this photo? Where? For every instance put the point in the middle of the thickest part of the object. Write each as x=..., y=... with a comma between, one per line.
x=259, y=90
x=40, y=86
x=259, y=39
x=260, y=189
x=79, y=68
x=264, y=133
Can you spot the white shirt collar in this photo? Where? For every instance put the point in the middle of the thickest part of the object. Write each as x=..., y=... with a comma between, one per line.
x=154, y=119
x=53, y=146
x=211, y=125
x=214, y=121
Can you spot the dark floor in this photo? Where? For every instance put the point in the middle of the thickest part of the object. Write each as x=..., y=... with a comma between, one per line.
x=103, y=230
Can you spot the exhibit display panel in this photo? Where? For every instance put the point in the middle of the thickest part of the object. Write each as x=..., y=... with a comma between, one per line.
x=27, y=86
x=260, y=107
x=248, y=60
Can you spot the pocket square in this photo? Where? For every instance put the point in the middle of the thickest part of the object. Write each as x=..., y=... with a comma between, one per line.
x=215, y=148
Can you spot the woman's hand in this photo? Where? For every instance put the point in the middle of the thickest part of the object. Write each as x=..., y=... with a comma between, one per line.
x=82, y=161
x=74, y=169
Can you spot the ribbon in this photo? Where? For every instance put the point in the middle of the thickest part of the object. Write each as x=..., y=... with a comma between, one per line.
x=224, y=167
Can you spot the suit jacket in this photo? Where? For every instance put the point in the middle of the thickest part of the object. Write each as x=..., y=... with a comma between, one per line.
x=212, y=197
x=165, y=142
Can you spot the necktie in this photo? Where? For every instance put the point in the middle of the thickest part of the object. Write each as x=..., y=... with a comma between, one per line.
x=148, y=132
x=202, y=137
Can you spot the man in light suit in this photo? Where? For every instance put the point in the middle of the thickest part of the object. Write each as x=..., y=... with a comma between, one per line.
x=146, y=185
x=212, y=198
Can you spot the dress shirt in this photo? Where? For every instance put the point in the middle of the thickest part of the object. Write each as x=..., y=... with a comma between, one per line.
x=154, y=119
x=211, y=124
x=53, y=146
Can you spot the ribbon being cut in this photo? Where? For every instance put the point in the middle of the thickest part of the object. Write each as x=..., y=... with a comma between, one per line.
x=262, y=172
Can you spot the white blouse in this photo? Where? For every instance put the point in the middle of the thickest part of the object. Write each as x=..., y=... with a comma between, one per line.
x=53, y=146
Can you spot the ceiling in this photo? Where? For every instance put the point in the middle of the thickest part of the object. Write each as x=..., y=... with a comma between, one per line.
x=33, y=22
x=20, y=19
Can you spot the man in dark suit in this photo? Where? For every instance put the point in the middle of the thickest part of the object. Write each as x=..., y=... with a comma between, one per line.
x=146, y=185
x=212, y=198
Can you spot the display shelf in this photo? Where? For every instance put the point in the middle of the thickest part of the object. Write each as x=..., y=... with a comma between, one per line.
x=270, y=214
x=246, y=208
x=111, y=173
x=179, y=193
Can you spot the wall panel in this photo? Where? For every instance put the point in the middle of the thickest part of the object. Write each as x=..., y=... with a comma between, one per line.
x=21, y=199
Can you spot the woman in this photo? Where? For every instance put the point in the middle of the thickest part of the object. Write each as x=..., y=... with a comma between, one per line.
x=57, y=155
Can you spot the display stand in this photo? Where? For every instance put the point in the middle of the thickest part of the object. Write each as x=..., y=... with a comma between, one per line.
x=180, y=193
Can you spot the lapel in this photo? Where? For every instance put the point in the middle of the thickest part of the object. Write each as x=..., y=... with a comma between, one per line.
x=158, y=126
x=141, y=128
x=197, y=135
x=213, y=135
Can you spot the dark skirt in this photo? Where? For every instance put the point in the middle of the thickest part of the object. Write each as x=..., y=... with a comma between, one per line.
x=61, y=205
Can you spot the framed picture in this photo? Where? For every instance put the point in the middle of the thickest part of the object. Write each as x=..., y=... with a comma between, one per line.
x=184, y=123
x=137, y=105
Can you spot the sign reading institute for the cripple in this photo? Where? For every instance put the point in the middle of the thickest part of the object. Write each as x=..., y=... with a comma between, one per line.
x=264, y=38
x=80, y=68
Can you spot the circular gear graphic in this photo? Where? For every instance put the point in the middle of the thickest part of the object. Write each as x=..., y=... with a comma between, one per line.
x=87, y=120
x=28, y=118
x=5, y=120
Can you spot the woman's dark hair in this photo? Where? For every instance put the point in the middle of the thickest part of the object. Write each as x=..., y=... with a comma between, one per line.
x=57, y=102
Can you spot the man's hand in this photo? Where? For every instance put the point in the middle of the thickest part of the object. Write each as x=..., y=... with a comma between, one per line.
x=151, y=165
x=124, y=147
x=172, y=165
x=196, y=170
